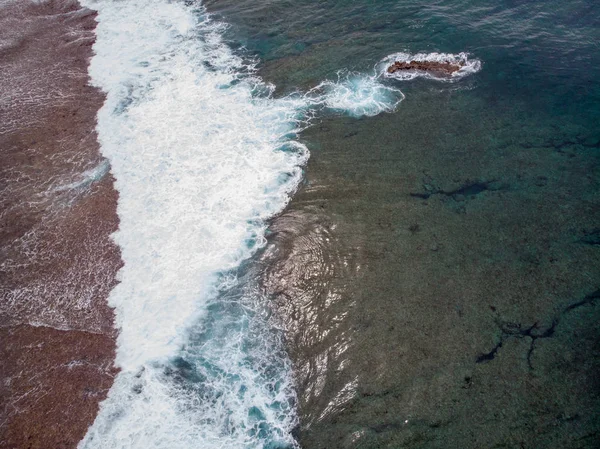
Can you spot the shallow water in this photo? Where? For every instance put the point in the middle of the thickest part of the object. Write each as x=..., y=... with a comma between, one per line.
x=437, y=275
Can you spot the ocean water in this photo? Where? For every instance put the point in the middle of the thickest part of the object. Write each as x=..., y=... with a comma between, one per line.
x=436, y=275
x=438, y=254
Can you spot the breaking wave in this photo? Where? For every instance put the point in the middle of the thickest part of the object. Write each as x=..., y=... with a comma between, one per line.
x=202, y=155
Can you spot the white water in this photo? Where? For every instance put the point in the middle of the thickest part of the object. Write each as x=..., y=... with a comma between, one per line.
x=358, y=95
x=468, y=65
x=200, y=161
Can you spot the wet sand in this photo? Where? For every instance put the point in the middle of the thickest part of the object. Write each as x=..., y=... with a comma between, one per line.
x=58, y=210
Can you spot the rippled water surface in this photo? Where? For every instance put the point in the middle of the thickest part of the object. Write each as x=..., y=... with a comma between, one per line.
x=437, y=276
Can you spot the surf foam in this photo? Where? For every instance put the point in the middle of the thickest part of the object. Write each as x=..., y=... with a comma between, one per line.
x=201, y=159
x=359, y=95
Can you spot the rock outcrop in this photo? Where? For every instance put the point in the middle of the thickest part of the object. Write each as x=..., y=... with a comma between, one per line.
x=445, y=68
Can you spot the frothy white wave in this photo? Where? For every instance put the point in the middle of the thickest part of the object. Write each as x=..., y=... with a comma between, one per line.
x=468, y=65
x=201, y=159
x=86, y=178
x=359, y=95
x=197, y=165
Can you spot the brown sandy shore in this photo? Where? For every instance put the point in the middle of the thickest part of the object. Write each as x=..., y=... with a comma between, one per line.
x=58, y=208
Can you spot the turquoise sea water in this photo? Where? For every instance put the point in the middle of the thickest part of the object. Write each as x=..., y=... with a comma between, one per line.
x=437, y=275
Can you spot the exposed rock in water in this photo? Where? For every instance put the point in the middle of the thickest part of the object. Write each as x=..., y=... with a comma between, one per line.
x=446, y=68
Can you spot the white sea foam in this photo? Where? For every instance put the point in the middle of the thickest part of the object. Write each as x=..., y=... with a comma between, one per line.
x=359, y=95
x=468, y=65
x=200, y=161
